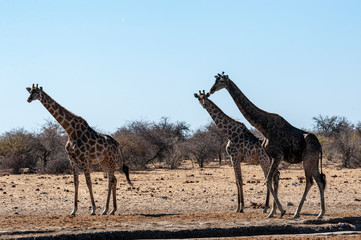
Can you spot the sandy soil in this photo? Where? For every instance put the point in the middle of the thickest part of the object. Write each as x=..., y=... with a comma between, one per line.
x=175, y=200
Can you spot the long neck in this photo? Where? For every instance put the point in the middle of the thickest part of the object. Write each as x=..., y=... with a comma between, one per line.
x=255, y=116
x=222, y=120
x=64, y=117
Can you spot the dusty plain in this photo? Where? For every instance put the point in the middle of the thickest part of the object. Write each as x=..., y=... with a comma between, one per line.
x=184, y=203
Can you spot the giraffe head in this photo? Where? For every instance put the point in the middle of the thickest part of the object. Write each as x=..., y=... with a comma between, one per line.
x=221, y=82
x=35, y=93
x=202, y=98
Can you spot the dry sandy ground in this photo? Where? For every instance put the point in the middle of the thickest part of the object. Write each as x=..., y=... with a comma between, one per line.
x=186, y=200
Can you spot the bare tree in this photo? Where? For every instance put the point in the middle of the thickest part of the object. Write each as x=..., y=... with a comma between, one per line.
x=219, y=140
x=203, y=147
x=53, y=138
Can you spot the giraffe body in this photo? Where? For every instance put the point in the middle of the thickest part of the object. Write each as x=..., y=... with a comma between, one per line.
x=85, y=147
x=283, y=142
x=242, y=146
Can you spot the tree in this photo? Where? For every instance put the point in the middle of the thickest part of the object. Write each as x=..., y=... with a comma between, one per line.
x=134, y=149
x=340, y=137
x=219, y=140
x=202, y=146
x=53, y=138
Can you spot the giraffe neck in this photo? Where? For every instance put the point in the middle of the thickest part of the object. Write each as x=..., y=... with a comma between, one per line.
x=64, y=117
x=222, y=120
x=255, y=116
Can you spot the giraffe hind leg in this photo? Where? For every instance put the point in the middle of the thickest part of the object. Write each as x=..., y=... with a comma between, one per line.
x=114, y=190
x=112, y=181
x=309, y=183
x=321, y=183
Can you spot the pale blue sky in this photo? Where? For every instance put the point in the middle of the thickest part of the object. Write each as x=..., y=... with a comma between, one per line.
x=112, y=62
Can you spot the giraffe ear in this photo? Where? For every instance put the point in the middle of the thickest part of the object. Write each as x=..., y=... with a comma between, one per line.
x=29, y=89
x=196, y=95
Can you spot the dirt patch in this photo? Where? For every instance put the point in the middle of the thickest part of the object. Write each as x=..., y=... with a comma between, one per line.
x=176, y=203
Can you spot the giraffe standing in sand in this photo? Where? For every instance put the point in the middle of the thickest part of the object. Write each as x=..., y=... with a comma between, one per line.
x=242, y=146
x=85, y=147
x=282, y=142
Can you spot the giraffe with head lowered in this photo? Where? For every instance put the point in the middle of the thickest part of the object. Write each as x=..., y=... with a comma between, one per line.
x=242, y=146
x=85, y=147
x=283, y=142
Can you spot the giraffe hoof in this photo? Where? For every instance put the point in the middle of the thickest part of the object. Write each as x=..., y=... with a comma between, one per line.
x=296, y=216
x=319, y=217
x=265, y=209
x=282, y=213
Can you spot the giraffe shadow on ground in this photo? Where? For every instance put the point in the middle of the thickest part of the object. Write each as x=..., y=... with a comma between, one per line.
x=158, y=215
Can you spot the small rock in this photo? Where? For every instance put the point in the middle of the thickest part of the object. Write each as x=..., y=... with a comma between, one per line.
x=290, y=204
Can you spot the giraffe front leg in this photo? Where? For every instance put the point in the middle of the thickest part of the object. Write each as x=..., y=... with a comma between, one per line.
x=270, y=177
x=239, y=183
x=89, y=184
x=76, y=186
x=105, y=211
x=275, y=187
x=267, y=202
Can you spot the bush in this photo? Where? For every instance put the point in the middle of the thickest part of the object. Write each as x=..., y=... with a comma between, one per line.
x=143, y=142
x=15, y=162
x=19, y=149
x=58, y=166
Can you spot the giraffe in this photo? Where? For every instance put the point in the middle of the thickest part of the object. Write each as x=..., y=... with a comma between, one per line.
x=85, y=147
x=283, y=142
x=242, y=146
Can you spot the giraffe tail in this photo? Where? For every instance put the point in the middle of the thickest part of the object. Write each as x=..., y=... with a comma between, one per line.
x=126, y=172
x=322, y=175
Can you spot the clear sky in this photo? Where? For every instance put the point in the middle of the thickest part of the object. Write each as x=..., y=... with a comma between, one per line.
x=113, y=62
